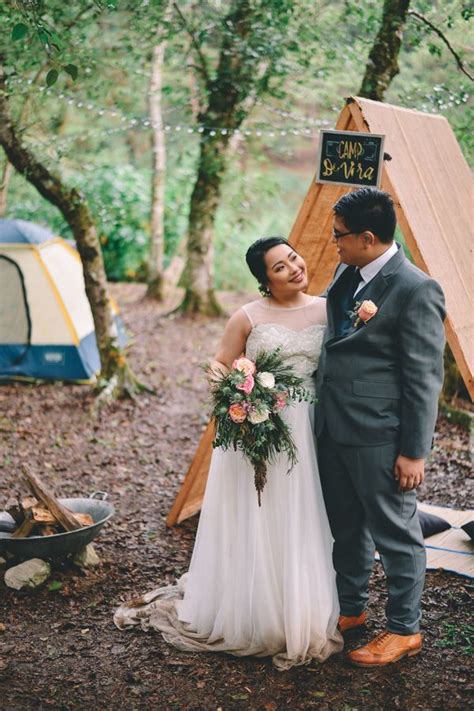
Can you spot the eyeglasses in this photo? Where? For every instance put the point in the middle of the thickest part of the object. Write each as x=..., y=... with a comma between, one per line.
x=336, y=235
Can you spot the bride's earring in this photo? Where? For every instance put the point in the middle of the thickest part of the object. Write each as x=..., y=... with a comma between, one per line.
x=264, y=290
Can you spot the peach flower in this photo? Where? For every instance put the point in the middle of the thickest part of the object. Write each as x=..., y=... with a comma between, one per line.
x=367, y=310
x=237, y=413
x=246, y=366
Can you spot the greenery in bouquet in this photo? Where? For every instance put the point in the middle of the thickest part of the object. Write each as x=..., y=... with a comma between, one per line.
x=247, y=402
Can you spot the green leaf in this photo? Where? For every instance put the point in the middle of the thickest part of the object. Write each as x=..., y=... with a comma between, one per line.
x=44, y=37
x=19, y=31
x=52, y=77
x=55, y=585
x=72, y=70
x=55, y=41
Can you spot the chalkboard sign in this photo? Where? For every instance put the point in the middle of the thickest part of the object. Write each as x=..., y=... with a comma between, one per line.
x=350, y=158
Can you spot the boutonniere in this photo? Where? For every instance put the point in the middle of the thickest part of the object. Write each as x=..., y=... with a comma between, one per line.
x=363, y=312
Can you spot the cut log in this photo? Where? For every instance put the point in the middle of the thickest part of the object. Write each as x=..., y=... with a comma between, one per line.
x=42, y=515
x=62, y=515
x=47, y=531
x=25, y=528
x=28, y=502
x=84, y=519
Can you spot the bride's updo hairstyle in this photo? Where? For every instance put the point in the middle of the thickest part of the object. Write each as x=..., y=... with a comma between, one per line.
x=255, y=258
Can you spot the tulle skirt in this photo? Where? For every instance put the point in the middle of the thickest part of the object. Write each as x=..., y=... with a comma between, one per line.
x=261, y=580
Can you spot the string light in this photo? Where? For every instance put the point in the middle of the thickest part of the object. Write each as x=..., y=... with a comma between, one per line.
x=262, y=130
x=294, y=117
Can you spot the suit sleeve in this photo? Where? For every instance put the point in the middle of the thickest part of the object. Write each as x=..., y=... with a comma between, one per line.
x=422, y=342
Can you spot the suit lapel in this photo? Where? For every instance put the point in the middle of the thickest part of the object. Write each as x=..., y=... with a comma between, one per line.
x=374, y=291
x=332, y=295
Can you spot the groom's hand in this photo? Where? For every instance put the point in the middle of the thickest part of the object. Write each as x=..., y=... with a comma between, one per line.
x=409, y=472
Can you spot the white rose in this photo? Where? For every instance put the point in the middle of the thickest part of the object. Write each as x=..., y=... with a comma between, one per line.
x=257, y=416
x=266, y=380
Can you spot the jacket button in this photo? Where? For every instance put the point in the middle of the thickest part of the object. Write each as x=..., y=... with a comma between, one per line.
x=327, y=379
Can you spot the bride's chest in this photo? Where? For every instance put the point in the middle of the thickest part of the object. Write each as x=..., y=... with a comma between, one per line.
x=301, y=346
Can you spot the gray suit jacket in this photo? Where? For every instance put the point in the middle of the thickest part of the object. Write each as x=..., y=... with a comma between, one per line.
x=381, y=382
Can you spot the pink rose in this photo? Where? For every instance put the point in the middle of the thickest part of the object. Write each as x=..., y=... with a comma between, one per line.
x=280, y=402
x=247, y=386
x=237, y=413
x=367, y=310
x=246, y=366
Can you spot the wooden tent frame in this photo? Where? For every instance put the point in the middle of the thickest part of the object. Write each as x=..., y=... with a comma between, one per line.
x=431, y=184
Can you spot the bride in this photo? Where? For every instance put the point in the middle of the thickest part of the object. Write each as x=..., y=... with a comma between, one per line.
x=261, y=580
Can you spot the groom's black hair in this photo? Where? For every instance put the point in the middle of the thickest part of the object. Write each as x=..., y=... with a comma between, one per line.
x=368, y=209
x=255, y=256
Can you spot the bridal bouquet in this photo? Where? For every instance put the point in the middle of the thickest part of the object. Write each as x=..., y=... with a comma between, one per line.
x=247, y=401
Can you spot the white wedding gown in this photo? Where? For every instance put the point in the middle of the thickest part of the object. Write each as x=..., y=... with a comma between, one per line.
x=261, y=580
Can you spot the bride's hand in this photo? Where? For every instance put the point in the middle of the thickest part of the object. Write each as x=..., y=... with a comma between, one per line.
x=215, y=372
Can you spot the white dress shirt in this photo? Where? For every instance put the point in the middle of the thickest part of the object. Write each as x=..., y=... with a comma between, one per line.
x=372, y=268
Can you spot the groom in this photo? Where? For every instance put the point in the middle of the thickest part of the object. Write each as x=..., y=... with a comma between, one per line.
x=378, y=383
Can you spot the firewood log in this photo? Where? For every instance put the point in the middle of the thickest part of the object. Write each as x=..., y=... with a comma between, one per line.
x=42, y=515
x=47, y=531
x=25, y=528
x=28, y=502
x=84, y=519
x=62, y=515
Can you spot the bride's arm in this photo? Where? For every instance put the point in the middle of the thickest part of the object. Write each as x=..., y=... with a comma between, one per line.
x=233, y=342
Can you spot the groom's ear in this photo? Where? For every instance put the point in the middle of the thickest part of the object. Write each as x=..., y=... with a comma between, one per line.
x=368, y=238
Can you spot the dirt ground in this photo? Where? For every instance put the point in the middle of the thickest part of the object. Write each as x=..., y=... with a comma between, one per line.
x=60, y=649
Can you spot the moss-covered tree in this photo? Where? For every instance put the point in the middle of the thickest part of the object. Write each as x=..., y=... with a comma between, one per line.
x=250, y=42
x=115, y=372
x=382, y=64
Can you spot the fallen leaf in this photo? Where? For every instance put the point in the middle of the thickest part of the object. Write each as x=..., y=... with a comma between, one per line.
x=55, y=585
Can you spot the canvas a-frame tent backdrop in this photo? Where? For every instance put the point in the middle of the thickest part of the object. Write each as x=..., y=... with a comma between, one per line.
x=431, y=185
x=46, y=326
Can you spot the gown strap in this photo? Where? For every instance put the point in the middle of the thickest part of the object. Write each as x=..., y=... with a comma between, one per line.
x=247, y=312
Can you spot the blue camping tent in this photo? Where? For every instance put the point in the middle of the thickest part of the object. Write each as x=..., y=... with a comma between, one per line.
x=46, y=325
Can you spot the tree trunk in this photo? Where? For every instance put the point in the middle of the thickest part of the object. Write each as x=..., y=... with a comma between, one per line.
x=198, y=278
x=157, y=239
x=7, y=173
x=230, y=95
x=73, y=206
x=382, y=65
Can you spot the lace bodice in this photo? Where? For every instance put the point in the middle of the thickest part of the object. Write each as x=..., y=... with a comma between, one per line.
x=298, y=332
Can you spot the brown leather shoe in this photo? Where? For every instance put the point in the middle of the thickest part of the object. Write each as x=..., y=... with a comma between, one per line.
x=385, y=649
x=350, y=623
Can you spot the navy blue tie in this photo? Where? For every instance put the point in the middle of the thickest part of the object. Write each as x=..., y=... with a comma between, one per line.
x=347, y=301
x=356, y=278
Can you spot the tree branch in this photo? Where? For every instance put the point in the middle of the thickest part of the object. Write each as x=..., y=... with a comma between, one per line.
x=69, y=25
x=195, y=43
x=441, y=35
